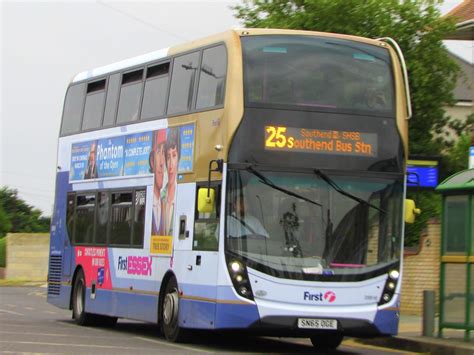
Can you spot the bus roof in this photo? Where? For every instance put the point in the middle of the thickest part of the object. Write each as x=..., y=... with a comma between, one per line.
x=163, y=53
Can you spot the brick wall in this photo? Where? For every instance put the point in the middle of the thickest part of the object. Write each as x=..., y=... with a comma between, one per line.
x=421, y=270
x=27, y=256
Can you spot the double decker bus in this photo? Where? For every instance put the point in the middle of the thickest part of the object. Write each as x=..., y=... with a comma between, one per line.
x=251, y=180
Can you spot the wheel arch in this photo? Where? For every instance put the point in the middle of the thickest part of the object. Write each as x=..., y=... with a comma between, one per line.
x=168, y=276
x=73, y=282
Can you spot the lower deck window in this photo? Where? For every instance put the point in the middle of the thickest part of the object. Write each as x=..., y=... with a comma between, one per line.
x=84, y=219
x=117, y=219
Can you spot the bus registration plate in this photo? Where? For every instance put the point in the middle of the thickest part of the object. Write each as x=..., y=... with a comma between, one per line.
x=308, y=323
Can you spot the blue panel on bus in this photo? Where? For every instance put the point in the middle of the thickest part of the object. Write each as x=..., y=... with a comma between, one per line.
x=196, y=314
x=58, y=225
x=236, y=315
x=123, y=304
x=63, y=300
x=386, y=321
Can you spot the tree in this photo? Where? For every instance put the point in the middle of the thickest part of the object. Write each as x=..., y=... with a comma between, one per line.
x=18, y=215
x=415, y=24
x=457, y=155
x=5, y=224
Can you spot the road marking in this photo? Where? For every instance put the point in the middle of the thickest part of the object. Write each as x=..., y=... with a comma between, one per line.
x=69, y=345
x=10, y=305
x=60, y=335
x=37, y=293
x=11, y=312
x=50, y=312
x=30, y=308
x=166, y=343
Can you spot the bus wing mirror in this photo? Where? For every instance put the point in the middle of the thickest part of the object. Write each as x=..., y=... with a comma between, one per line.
x=411, y=211
x=206, y=200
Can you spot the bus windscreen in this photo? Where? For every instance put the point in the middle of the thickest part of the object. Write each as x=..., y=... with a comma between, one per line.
x=312, y=73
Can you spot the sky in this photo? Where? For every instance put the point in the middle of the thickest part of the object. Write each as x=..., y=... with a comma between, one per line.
x=44, y=44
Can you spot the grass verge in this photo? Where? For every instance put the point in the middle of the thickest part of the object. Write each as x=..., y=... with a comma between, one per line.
x=21, y=283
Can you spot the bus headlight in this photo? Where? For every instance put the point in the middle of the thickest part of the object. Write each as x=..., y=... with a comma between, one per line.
x=390, y=286
x=240, y=280
x=235, y=266
x=394, y=275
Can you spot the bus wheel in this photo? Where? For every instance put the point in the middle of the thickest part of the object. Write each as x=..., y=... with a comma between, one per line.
x=170, y=313
x=327, y=341
x=78, y=301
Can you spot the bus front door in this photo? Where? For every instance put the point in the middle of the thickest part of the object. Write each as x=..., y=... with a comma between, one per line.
x=196, y=260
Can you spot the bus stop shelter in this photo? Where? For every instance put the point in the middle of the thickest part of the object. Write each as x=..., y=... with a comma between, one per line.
x=457, y=253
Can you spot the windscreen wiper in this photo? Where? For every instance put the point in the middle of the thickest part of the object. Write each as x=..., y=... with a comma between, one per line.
x=336, y=187
x=264, y=180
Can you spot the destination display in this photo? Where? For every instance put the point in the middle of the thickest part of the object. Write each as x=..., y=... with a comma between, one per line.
x=320, y=141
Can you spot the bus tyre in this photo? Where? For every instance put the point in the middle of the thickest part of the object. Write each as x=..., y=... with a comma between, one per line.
x=327, y=341
x=170, y=313
x=78, y=301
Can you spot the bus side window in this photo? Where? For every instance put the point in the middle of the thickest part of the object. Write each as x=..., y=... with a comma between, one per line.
x=130, y=96
x=212, y=78
x=94, y=106
x=103, y=212
x=206, y=225
x=84, y=219
x=183, y=81
x=72, y=113
x=156, y=87
x=139, y=218
x=121, y=219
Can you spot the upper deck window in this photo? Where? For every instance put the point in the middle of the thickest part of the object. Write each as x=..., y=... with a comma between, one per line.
x=73, y=109
x=183, y=81
x=314, y=73
x=156, y=85
x=130, y=96
x=94, y=107
x=212, y=78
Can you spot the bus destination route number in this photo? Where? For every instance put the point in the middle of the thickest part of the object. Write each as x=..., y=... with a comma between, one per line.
x=320, y=141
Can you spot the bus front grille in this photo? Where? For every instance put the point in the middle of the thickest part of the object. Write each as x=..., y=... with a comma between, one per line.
x=54, y=276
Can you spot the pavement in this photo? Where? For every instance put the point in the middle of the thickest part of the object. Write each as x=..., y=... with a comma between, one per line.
x=410, y=338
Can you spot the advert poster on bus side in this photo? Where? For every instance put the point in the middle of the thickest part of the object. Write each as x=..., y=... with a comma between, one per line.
x=127, y=155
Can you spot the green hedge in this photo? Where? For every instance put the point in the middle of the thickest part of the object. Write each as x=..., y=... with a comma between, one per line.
x=3, y=252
